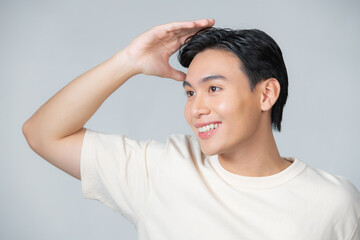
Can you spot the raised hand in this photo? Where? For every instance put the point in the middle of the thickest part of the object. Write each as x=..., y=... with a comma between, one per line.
x=149, y=53
x=56, y=130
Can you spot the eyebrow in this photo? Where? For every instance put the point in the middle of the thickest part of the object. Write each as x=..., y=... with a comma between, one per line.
x=205, y=79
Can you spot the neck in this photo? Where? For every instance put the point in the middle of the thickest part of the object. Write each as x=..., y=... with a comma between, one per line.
x=257, y=157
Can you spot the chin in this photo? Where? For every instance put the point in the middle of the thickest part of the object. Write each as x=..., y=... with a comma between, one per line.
x=209, y=151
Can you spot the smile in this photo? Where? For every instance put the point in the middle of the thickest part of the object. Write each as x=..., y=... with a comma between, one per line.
x=206, y=131
x=208, y=128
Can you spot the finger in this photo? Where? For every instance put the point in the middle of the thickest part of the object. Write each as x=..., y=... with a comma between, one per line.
x=176, y=30
x=209, y=22
x=183, y=32
x=177, y=75
x=184, y=36
x=170, y=27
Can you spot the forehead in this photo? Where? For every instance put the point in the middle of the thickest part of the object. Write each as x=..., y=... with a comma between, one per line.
x=214, y=62
x=215, y=58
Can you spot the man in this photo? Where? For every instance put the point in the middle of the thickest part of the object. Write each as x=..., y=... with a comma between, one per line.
x=228, y=182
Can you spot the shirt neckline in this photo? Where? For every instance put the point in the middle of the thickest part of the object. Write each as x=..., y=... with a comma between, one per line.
x=277, y=179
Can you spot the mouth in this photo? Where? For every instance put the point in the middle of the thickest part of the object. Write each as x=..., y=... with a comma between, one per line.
x=205, y=131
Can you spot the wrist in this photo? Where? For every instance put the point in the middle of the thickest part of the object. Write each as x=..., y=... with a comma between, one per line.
x=125, y=64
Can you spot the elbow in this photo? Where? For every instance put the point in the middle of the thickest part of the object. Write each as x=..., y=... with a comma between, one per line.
x=29, y=136
x=25, y=130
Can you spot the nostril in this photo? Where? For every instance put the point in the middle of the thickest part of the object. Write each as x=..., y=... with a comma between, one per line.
x=200, y=111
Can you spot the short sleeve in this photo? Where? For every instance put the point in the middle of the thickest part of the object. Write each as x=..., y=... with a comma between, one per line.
x=351, y=208
x=118, y=171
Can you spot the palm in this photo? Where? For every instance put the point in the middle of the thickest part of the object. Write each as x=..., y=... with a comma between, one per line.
x=150, y=52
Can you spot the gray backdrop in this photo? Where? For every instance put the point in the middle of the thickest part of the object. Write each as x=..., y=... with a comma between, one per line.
x=46, y=44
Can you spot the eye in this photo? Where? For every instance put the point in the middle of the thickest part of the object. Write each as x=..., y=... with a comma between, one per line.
x=190, y=93
x=214, y=89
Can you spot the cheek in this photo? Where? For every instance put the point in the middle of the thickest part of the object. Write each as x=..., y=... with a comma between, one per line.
x=229, y=108
x=223, y=108
x=187, y=113
x=237, y=113
x=248, y=116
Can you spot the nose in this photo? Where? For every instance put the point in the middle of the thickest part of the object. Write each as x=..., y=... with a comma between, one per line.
x=199, y=107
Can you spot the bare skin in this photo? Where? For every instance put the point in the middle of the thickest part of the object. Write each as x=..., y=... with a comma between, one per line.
x=56, y=130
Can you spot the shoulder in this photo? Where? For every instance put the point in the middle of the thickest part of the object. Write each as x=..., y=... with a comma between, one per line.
x=181, y=155
x=332, y=199
x=180, y=139
x=333, y=190
x=330, y=181
x=183, y=144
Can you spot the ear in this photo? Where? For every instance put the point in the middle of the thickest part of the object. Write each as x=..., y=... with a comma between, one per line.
x=270, y=91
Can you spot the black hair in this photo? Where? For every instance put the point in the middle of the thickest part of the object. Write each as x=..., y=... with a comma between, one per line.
x=259, y=54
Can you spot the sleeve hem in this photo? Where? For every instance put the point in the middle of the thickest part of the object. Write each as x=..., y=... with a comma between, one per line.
x=86, y=164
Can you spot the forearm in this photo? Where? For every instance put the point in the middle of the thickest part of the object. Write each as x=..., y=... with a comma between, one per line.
x=69, y=109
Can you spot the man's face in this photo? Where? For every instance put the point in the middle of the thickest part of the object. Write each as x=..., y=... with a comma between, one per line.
x=219, y=94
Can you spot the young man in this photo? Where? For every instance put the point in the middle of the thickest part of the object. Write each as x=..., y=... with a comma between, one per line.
x=228, y=182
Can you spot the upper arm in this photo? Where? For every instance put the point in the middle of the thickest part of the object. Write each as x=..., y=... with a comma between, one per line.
x=64, y=153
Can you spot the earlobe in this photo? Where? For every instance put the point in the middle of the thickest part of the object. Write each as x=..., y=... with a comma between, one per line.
x=269, y=93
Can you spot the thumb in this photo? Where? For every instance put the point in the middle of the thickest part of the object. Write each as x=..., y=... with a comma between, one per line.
x=177, y=75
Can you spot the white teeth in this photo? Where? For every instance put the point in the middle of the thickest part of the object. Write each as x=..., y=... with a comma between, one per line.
x=209, y=127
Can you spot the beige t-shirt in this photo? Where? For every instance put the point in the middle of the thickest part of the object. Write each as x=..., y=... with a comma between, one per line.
x=172, y=191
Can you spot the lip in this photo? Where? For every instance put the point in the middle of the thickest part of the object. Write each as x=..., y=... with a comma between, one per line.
x=197, y=125
x=207, y=135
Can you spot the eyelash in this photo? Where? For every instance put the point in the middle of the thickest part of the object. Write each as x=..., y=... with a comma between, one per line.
x=188, y=92
x=216, y=88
